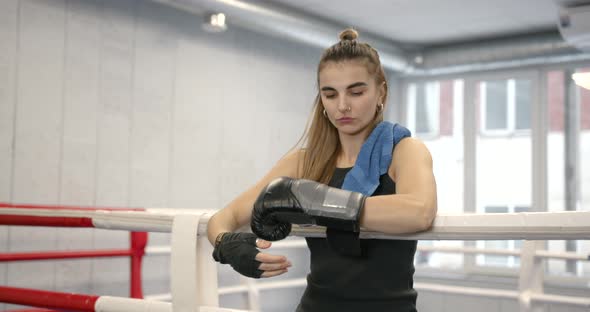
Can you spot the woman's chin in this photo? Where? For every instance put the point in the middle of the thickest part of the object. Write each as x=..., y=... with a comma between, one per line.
x=350, y=131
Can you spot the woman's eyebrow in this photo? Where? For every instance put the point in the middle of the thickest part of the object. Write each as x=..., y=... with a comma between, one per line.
x=356, y=84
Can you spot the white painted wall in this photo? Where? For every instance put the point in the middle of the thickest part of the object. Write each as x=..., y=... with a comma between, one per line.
x=130, y=104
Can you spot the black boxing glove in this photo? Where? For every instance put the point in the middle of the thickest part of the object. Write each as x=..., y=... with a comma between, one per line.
x=239, y=250
x=285, y=201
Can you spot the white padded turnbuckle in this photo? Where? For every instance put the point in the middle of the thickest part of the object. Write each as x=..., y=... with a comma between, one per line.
x=193, y=274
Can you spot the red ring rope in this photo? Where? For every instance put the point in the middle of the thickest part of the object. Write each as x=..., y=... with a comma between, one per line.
x=56, y=300
x=47, y=299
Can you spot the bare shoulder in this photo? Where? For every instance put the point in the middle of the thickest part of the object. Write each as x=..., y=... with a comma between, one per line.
x=290, y=165
x=294, y=155
x=411, y=147
x=408, y=153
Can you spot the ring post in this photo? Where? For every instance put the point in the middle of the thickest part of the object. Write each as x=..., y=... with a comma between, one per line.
x=531, y=276
x=193, y=274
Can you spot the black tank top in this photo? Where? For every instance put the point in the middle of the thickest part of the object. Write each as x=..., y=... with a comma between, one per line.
x=379, y=280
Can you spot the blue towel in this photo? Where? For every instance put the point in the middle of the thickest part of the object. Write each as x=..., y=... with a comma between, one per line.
x=374, y=158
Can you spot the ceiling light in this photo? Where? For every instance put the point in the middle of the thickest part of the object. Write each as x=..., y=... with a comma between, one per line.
x=582, y=80
x=215, y=22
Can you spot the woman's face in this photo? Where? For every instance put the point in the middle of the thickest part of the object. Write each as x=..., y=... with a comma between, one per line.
x=350, y=95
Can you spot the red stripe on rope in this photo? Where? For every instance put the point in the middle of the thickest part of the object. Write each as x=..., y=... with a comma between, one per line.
x=47, y=299
x=48, y=255
x=45, y=221
x=63, y=207
x=31, y=310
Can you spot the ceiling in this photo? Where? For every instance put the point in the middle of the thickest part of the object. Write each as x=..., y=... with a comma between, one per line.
x=414, y=37
x=435, y=22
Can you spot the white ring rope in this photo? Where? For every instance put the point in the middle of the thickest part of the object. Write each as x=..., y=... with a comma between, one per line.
x=186, y=225
x=497, y=226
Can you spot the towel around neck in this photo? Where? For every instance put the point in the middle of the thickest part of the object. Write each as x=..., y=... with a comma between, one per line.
x=374, y=158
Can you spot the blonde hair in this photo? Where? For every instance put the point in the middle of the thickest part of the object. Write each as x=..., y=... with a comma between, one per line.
x=321, y=140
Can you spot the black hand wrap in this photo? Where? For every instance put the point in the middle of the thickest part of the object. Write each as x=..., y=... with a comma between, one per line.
x=239, y=250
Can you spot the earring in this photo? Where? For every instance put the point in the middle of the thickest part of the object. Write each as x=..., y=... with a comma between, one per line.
x=325, y=114
x=380, y=107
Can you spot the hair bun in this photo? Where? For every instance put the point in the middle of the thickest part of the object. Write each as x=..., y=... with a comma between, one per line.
x=348, y=34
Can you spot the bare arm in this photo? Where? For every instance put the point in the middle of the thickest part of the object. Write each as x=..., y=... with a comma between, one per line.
x=239, y=211
x=413, y=207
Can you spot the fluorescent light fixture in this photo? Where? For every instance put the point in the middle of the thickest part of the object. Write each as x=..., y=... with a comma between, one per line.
x=582, y=80
x=215, y=22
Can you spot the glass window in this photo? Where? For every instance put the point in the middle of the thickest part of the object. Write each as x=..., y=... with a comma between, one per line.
x=505, y=106
x=434, y=115
x=503, y=172
x=556, y=154
x=496, y=209
x=424, y=109
x=496, y=105
x=523, y=104
x=423, y=118
x=503, y=162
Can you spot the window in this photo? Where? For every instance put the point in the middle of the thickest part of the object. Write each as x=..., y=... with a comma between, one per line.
x=500, y=107
x=556, y=166
x=434, y=108
x=423, y=109
x=503, y=170
x=435, y=116
x=506, y=106
x=495, y=104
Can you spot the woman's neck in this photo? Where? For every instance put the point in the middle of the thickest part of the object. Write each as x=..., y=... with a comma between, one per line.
x=350, y=147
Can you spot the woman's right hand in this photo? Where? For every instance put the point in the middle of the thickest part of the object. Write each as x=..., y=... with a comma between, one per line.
x=240, y=251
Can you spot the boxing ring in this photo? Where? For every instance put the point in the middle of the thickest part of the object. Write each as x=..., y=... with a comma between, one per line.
x=193, y=273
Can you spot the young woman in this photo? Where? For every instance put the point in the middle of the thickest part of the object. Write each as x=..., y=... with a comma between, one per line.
x=341, y=144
